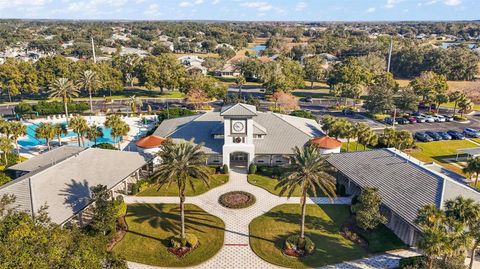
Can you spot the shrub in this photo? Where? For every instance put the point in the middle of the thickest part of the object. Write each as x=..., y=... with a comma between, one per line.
x=252, y=169
x=271, y=171
x=4, y=179
x=105, y=146
x=340, y=107
x=341, y=191
x=459, y=118
x=140, y=186
x=379, y=117
x=295, y=242
x=121, y=206
x=225, y=169
x=174, y=112
x=412, y=262
x=190, y=241
x=23, y=108
x=55, y=107
x=303, y=114
x=11, y=159
x=217, y=169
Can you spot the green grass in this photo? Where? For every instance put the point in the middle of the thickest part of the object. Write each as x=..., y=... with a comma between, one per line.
x=323, y=224
x=451, y=105
x=382, y=239
x=269, y=184
x=353, y=146
x=150, y=226
x=172, y=190
x=322, y=93
x=437, y=151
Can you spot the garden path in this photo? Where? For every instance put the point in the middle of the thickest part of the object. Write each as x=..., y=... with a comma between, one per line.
x=236, y=252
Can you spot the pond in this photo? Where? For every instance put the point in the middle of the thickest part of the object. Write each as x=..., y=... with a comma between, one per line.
x=259, y=48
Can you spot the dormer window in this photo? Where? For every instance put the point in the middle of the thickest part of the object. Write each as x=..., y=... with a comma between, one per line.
x=258, y=136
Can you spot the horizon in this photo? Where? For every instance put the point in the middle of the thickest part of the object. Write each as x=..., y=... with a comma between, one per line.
x=244, y=10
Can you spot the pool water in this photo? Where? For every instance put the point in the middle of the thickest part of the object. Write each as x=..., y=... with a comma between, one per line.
x=31, y=141
x=259, y=48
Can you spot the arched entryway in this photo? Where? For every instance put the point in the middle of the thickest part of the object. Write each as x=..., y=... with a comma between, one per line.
x=239, y=159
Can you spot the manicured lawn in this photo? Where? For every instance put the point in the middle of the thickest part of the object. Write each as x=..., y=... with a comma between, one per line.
x=323, y=224
x=437, y=151
x=353, y=146
x=150, y=227
x=215, y=181
x=269, y=184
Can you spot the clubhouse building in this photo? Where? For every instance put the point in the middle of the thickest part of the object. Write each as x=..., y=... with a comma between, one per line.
x=239, y=135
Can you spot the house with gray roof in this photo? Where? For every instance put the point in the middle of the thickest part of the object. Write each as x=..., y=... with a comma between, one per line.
x=404, y=183
x=61, y=179
x=240, y=135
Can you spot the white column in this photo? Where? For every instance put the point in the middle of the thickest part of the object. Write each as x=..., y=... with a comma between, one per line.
x=125, y=184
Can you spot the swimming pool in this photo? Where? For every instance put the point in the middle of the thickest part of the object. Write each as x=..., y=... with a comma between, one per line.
x=30, y=141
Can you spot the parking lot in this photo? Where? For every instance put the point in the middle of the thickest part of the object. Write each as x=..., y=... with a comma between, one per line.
x=474, y=122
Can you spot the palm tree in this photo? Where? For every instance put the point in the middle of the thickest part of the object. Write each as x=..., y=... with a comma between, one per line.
x=389, y=137
x=45, y=131
x=182, y=164
x=88, y=81
x=363, y=134
x=64, y=89
x=350, y=133
x=79, y=126
x=118, y=126
x=240, y=81
x=60, y=129
x=6, y=147
x=309, y=171
x=464, y=104
x=473, y=168
x=17, y=130
x=467, y=212
x=93, y=132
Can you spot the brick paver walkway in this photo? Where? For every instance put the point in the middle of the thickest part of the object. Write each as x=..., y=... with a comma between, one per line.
x=236, y=252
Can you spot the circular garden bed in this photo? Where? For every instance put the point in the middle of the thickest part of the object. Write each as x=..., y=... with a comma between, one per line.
x=236, y=199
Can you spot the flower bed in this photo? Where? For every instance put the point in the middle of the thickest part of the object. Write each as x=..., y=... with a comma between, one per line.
x=236, y=199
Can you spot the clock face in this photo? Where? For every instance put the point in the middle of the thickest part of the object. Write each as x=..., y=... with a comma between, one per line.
x=238, y=127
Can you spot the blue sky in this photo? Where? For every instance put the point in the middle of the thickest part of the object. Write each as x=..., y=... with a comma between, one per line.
x=306, y=10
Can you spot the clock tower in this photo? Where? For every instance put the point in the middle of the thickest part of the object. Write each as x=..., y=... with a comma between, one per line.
x=238, y=148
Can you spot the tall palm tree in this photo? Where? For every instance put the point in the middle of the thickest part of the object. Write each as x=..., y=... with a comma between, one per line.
x=467, y=212
x=118, y=126
x=93, y=132
x=17, y=130
x=473, y=168
x=6, y=147
x=60, y=129
x=182, y=164
x=362, y=131
x=309, y=171
x=88, y=81
x=79, y=126
x=45, y=131
x=350, y=133
x=64, y=89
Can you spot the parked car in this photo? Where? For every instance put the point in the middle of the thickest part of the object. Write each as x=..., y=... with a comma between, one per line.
x=471, y=132
x=448, y=118
x=429, y=118
x=416, y=113
x=348, y=112
x=423, y=137
x=441, y=118
x=456, y=135
x=434, y=135
x=420, y=119
x=403, y=121
x=412, y=120
x=444, y=135
x=390, y=121
x=308, y=99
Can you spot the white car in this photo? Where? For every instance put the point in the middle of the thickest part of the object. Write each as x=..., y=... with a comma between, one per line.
x=429, y=118
x=441, y=118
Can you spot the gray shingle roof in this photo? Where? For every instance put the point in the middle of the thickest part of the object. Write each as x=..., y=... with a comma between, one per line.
x=65, y=186
x=404, y=186
x=46, y=159
x=283, y=133
x=238, y=110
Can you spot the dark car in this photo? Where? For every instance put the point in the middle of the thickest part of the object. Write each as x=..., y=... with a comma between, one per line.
x=423, y=137
x=308, y=99
x=403, y=121
x=348, y=112
x=434, y=135
x=444, y=135
x=390, y=121
x=456, y=135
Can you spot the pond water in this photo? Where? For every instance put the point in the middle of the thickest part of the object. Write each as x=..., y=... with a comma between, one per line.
x=259, y=48
x=448, y=44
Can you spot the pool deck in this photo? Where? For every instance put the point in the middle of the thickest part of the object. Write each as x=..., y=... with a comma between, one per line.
x=136, y=128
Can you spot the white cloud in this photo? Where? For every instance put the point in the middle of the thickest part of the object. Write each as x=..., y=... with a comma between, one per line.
x=185, y=4
x=198, y=2
x=301, y=6
x=260, y=6
x=392, y=3
x=214, y=2
x=452, y=2
x=369, y=10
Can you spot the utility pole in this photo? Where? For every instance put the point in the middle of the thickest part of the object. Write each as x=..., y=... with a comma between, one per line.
x=93, y=51
x=390, y=54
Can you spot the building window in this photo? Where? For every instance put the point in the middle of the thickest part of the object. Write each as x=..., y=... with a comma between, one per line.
x=258, y=136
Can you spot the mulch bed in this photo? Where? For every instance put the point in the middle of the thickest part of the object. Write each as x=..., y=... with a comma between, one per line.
x=236, y=199
x=179, y=252
x=122, y=229
x=348, y=231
